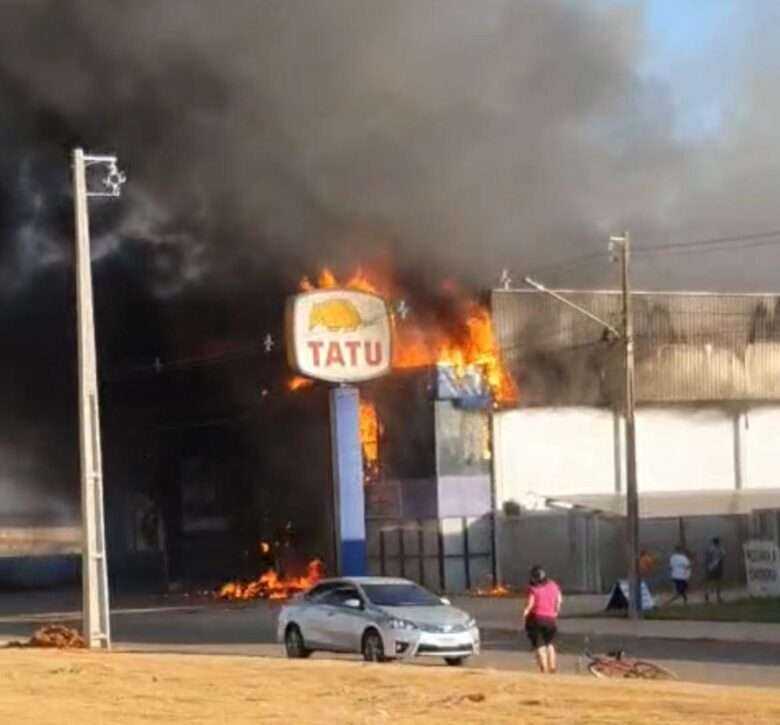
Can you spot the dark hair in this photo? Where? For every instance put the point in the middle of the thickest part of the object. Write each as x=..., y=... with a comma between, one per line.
x=538, y=575
x=716, y=540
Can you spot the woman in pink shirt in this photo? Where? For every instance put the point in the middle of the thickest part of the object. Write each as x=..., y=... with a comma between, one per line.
x=540, y=618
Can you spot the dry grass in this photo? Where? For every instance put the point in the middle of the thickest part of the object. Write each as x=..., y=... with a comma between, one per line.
x=84, y=688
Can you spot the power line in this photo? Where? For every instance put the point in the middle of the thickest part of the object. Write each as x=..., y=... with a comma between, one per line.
x=713, y=244
x=761, y=239
x=189, y=363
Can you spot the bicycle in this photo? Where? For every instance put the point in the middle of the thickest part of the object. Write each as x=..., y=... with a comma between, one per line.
x=615, y=665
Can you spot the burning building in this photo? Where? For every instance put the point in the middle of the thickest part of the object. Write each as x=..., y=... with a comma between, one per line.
x=708, y=416
x=425, y=437
x=429, y=505
x=495, y=442
x=207, y=457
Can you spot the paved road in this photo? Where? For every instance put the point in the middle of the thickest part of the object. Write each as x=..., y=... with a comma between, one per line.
x=249, y=629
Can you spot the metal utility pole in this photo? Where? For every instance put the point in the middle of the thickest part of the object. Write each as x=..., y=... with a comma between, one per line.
x=626, y=335
x=94, y=567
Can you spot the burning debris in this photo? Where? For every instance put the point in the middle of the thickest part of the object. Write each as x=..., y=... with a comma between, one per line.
x=53, y=636
x=298, y=382
x=499, y=590
x=271, y=585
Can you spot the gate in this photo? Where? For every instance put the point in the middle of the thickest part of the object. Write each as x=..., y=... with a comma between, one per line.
x=453, y=554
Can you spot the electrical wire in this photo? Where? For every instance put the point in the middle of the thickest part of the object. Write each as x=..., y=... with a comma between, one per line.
x=712, y=245
x=754, y=240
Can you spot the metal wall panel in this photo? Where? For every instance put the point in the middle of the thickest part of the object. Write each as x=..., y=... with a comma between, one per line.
x=689, y=347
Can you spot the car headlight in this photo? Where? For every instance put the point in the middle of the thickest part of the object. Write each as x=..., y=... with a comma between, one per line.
x=402, y=624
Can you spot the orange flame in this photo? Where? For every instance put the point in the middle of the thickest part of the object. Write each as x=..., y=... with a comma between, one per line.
x=370, y=432
x=472, y=348
x=500, y=590
x=326, y=279
x=298, y=382
x=271, y=586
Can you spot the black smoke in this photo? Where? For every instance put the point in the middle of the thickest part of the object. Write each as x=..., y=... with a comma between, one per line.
x=265, y=137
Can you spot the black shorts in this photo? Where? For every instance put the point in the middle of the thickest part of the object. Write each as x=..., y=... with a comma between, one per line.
x=681, y=586
x=541, y=631
x=715, y=575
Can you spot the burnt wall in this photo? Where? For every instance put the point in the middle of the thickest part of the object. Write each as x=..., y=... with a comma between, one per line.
x=690, y=347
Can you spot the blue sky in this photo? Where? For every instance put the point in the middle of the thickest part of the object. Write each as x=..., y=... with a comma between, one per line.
x=697, y=47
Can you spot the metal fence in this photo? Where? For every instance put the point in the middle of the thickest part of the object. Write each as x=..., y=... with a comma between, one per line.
x=454, y=554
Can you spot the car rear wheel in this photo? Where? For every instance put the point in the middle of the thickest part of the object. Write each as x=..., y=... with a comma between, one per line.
x=294, y=644
x=373, y=648
x=455, y=661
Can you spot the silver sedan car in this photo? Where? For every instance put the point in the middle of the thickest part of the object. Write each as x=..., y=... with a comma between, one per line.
x=378, y=617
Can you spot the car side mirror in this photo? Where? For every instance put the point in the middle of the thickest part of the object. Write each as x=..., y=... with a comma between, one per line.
x=353, y=603
x=445, y=601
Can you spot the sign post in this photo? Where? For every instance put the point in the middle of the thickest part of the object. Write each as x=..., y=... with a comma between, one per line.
x=342, y=336
x=348, y=496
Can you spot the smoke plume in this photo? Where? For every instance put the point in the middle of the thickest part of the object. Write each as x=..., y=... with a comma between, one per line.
x=264, y=137
x=457, y=135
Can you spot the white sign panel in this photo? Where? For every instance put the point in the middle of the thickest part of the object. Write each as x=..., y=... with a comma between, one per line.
x=762, y=566
x=340, y=336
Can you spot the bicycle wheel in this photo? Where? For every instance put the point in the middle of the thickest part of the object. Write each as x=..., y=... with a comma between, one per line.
x=642, y=670
x=606, y=668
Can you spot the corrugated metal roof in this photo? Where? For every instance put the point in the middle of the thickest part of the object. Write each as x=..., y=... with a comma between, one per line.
x=689, y=346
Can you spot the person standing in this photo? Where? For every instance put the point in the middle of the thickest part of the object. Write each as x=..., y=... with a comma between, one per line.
x=714, y=563
x=540, y=618
x=647, y=568
x=680, y=570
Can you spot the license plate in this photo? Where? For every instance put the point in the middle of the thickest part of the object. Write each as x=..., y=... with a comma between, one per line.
x=449, y=642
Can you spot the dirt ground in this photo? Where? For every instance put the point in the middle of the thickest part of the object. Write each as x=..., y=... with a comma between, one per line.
x=45, y=687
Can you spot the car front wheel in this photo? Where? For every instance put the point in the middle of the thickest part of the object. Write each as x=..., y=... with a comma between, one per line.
x=294, y=644
x=373, y=648
x=455, y=661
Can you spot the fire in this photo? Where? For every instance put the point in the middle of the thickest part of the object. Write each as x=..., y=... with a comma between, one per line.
x=298, y=382
x=370, y=431
x=468, y=345
x=327, y=280
x=473, y=349
x=271, y=586
x=500, y=590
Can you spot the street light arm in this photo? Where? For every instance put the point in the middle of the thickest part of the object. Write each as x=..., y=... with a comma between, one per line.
x=541, y=288
x=632, y=493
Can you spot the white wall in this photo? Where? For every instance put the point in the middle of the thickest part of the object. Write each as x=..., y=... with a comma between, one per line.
x=553, y=452
x=562, y=452
x=761, y=433
x=684, y=450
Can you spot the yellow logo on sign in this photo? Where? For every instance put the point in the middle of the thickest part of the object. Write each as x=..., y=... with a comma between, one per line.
x=335, y=316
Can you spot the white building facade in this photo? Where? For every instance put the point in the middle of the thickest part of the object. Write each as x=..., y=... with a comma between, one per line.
x=708, y=431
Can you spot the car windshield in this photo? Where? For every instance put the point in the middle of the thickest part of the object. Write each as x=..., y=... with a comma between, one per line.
x=400, y=595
